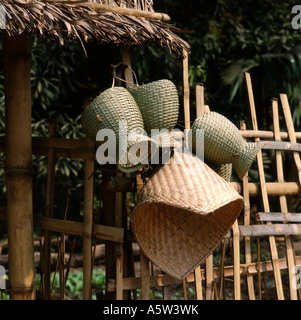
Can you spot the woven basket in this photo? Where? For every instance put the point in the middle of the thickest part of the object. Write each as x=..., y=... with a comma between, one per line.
x=183, y=212
x=224, y=144
x=106, y=111
x=159, y=105
x=223, y=170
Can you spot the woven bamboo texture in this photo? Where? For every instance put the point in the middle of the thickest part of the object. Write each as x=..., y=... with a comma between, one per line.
x=106, y=111
x=159, y=105
x=223, y=143
x=183, y=212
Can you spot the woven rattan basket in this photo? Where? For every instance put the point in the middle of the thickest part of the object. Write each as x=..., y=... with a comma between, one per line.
x=183, y=212
x=106, y=111
x=224, y=144
x=159, y=105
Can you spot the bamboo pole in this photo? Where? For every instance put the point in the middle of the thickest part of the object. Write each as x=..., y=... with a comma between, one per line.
x=279, y=216
x=18, y=166
x=49, y=210
x=248, y=254
x=186, y=91
x=116, y=9
x=88, y=225
x=236, y=261
x=144, y=277
x=264, y=194
x=283, y=203
x=209, y=277
x=200, y=101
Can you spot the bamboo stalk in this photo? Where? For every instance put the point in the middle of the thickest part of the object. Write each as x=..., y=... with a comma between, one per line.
x=209, y=277
x=200, y=102
x=88, y=225
x=236, y=261
x=144, y=277
x=223, y=251
x=110, y=8
x=258, y=267
x=270, y=230
x=49, y=210
x=101, y=232
x=273, y=247
x=198, y=283
x=248, y=255
x=292, y=137
x=283, y=202
x=18, y=166
x=279, y=216
x=186, y=91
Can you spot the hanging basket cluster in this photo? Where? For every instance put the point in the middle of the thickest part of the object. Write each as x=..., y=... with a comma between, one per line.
x=187, y=206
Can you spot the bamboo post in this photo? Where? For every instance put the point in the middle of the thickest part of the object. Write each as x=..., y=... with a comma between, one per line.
x=264, y=194
x=145, y=277
x=283, y=203
x=88, y=224
x=200, y=101
x=18, y=166
x=209, y=277
x=248, y=256
x=236, y=261
x=49, y=210
x=292, y=138
x=186, y=92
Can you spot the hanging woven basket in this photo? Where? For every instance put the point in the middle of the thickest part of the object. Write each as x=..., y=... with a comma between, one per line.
x=107, y=111
x=223, y=170
x=158, y=102
x=223, y=143
x=183, y=212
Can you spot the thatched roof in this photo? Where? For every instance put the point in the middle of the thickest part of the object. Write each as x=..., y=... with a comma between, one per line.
x=71, y=20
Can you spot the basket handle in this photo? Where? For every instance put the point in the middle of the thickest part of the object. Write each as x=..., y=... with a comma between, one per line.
x=116, y=77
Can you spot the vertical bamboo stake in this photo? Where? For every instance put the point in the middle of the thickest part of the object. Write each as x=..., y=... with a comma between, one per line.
x=145, y=277
x=49, y=211
x=283, y=203
x=236, y=261
x=186, y=91
x=264, y=194
x=209, y=277
x=248, y=256
x=18, y=166
x=200, y=109
x=88, y=224
x=200, y=105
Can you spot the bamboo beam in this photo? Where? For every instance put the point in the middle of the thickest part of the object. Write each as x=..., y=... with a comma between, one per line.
x=18, y=166
x=119, y=10
x=279, y=216
x=88, y=225
x=264, y=194
x=263, y=230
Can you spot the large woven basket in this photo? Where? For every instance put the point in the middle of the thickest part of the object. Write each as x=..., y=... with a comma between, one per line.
x=106, y=111
x=223, y=170
x=223, y=143
x=183, y=212
x=159, y=105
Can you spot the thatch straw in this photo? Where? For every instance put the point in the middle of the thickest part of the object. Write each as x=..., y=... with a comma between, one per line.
x=62, y=20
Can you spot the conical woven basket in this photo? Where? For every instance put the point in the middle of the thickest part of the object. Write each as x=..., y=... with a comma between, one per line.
x=224, y=144
x=159, y=105
x=183, y=212
x=106, y=111
x=223, y=170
